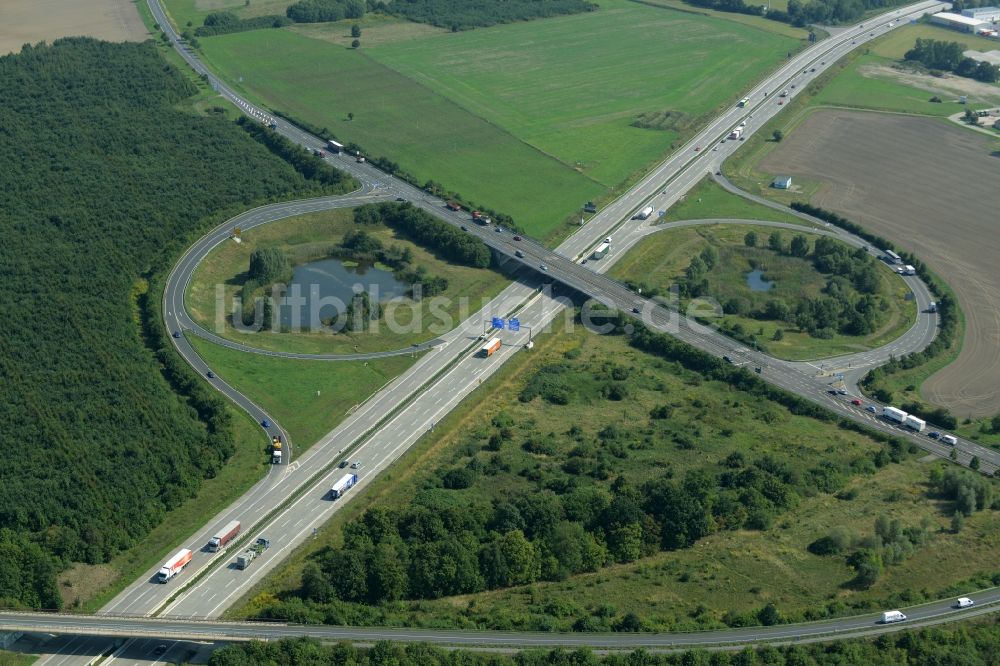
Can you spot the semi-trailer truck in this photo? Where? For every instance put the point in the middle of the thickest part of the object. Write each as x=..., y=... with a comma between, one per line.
x=893, y=414
x=601, y=250
x=345, y=483
x=644, y=213
x=174, y=565
x=913, y=423
x=735, y=134
x=224, y=536
x=490, y=348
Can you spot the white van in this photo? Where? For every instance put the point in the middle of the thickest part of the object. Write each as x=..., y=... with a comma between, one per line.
x=950, y=440
x=964, y=602
x=892, y=616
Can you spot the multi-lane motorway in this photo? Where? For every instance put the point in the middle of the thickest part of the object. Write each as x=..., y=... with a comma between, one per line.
x=293, y=498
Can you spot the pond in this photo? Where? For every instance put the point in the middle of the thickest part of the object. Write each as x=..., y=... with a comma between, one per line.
x=756, y=281
x=322, y=289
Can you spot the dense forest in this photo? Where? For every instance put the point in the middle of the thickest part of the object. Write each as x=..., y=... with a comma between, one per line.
x=443, y=239
x=954, y=645
x=103, y=181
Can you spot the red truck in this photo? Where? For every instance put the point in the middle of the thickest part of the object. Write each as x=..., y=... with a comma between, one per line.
x=451, y=205
x=224, y=536
x=174, y=565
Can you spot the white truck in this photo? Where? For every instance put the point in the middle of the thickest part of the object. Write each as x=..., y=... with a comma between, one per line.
x=345, y=483
x=736, y=133
x=644, y=213
x=174, y=565
x=913, y=423
x=601, y=250
x=893, y=414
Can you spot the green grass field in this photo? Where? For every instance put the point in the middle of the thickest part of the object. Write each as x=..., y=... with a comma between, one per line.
x=661, y=259
x=194, y=11
x=428, y=135
x=308, y=398
x=684, y=589
x=308, y=238
x=758, y=22
x=571, y=86
x=707, y=200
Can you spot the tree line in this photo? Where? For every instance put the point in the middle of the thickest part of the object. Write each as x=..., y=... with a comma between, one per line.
x=964, y=644
x=102, y=181
x=800, y=14
x=949, y=56
x=224, y=23
x=445, y=240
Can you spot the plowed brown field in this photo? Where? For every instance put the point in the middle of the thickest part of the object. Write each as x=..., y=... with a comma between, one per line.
x=931, y=188
x=32, y=21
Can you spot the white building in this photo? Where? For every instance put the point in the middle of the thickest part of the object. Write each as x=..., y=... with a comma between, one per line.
x=958, y=22
x=982, y=13
x=782, y=182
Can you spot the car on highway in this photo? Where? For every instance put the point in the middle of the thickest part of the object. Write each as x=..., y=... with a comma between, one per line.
x=715, y=149
x=400, y=198
x=635, y=310
x=856, y=402
x=519, y=254
x=318, y=153
x=177, y=334
x=933, y=434
x=499, y=230
x=832, y=391
x=210, y=374
x=583, y=262
x=265, y=423
x=727, y=359
x=159, y=649
x=872, y=408
x=697, y=148
x=841, y=392
x=356, y=464
x=813, y=69
x=465, y=228
x=517, y=238
x=543, y=267
x=343, y=464
x=964, y=602
x=780, y=102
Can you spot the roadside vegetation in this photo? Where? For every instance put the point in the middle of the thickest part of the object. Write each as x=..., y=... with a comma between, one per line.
x=824, y=297
x=92, y=206
x=593, y=484
x=708, y=200
x=308, y=398
x=967, y=643
x=433, y=266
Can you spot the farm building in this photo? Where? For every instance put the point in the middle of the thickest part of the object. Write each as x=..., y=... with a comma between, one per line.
x=782, y=182
x=982, y=13
x=958, y=22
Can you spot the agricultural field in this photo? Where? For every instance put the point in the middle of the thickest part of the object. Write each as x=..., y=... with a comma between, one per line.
x=32, y=21
x=194, y=11
x=311, y=237
x=569, y=433
x=518, y=117
x=661, y=260
x=429, y=136
x=878, y=170
x=572, y=87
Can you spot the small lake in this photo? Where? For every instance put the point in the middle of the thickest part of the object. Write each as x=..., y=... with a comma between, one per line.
x=321, y=289
x=756, y=281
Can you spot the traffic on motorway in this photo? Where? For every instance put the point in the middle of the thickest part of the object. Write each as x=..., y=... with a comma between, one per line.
x=295, y=500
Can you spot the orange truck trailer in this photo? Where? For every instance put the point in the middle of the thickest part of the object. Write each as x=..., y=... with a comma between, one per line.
x=490, y=348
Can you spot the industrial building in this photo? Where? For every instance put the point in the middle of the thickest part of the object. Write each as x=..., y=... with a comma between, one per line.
x=958, y=22
x=982, y=13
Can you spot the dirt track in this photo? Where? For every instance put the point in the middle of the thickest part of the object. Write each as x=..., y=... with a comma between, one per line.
x=930, y=188
x=32, y=21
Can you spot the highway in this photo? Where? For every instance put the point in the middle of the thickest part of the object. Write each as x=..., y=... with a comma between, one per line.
x=987, y=602
x=293, y=501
